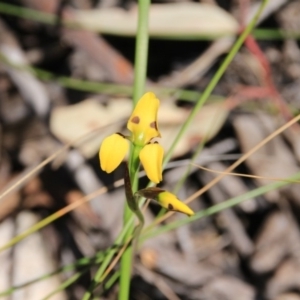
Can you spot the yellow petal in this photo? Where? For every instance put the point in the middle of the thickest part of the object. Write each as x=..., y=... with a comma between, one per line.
x=151, y=157
x=165, y=199
x=143, y=120
x=170, y=202
x=112, y=151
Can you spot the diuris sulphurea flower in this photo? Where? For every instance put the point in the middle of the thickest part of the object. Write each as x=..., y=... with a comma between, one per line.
x=143, y=127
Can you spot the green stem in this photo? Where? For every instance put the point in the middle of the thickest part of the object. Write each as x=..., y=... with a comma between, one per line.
x=141, y=51
x=107, y=260
x=140, y=69
x=126, y=259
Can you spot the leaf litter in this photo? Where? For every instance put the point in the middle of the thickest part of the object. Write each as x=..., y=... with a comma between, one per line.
x=247, y=252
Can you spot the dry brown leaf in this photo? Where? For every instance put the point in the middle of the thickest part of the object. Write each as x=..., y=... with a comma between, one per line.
x=74, y=121
x=11, y=202
x=7, y=229
x=31, y=260
x=286, y=278
x=39, y=199
x=228, y=288
x=238, y=235
x=115, y=67
x=275, y=159
x=175, y=266
x=272, y=243
x=84, y=214
x=234, y=186
x=194, y=71
x=33, y=186
x=158, y=281
x=288, y=296
x=31, y=89
x=172, y=19
x=205, y=126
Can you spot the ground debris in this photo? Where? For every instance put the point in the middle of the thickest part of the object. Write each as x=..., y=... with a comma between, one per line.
x=64, y=88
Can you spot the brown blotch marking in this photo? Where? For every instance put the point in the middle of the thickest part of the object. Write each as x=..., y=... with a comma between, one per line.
x=122, y=135
x=153, y=125
x=170, y=206
x=135, y=120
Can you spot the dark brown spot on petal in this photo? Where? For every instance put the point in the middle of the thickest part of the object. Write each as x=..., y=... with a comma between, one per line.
x=122, y=135
x=153, y=125
x=135, y=120
x=170, y=206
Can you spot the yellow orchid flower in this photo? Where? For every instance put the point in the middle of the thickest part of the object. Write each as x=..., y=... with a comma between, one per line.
x=112, y=151
x=166, y=200
x=143, y=120
x=143, y=126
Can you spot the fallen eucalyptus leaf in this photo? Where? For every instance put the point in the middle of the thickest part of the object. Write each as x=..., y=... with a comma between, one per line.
x=71, y=122
x=205, y=126
x=172, y=20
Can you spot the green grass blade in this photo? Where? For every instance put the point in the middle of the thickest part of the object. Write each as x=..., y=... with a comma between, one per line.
x=212, y=84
